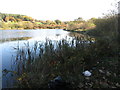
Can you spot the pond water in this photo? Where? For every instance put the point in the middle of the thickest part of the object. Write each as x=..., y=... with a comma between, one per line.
x=10, y=39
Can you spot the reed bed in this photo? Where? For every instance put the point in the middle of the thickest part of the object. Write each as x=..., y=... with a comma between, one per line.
x=39, y=64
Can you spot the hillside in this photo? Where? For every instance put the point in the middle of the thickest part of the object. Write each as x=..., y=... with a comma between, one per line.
x=17, y=21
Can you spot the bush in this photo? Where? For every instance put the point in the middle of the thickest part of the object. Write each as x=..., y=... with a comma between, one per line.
x=68, y=59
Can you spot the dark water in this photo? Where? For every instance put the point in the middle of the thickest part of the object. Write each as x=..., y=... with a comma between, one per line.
x=10, y=39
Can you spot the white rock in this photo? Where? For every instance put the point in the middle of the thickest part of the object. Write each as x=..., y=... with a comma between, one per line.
x=87, y=73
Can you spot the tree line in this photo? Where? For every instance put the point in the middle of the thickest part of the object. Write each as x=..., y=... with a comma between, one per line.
x=17, y=21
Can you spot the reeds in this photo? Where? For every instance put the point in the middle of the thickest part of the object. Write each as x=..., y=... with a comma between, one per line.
x=39, y=64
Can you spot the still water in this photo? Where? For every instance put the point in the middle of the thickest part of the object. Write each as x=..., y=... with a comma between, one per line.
x=10, y=39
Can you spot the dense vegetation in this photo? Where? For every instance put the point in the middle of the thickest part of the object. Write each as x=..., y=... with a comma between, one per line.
x=16, y=21
x=69, y=59
x=80, y=24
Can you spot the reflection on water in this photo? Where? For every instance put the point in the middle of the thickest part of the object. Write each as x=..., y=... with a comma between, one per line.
x=14, y=39
x=77, y=35
x=10, y=39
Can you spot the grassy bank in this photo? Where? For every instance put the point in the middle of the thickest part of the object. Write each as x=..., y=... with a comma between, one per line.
x=69, y=59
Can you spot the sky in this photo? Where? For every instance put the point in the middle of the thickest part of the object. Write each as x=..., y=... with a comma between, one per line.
x=63, y=10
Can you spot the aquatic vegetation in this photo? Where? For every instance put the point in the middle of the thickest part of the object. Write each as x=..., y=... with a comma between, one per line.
x=38, y=65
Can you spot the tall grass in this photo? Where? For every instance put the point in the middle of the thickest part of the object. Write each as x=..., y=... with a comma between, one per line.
x=38, y=65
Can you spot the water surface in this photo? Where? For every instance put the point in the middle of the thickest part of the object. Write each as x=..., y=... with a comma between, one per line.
x=10, y=39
